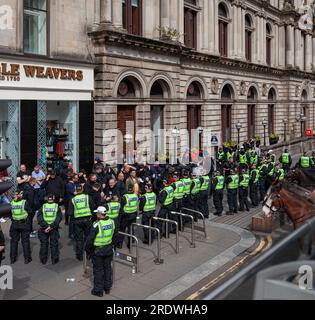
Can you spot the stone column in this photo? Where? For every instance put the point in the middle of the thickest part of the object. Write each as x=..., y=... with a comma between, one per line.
x=174, y=14
x=117, y=13
x=106, y=11
x=258, y=40
x=180, y=15
x=263, y=37
x=313, y=56
x=275, y=47
x=242, y=32
x=97, y=9
x=281, y=41
x=165, y=13
x=290, y=46
x=235, y=34
x=308, y=53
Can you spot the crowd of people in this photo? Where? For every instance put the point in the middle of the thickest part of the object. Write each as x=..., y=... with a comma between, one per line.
x=99, y=205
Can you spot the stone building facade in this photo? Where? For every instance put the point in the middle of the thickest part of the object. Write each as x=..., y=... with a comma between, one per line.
x=203, y=63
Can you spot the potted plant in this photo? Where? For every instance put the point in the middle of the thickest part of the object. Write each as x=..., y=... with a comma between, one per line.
x=273, y=138
x=168, y=34
x=226, y=146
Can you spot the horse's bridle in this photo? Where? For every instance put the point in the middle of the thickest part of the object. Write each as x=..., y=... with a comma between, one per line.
x=272, y=208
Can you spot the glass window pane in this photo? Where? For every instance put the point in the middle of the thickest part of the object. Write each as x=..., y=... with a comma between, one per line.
x=36, y=4
x=134, y=3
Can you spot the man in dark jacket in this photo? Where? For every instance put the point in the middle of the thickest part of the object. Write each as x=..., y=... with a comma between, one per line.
x=29, y=196
x=94, y=190
x=54, y=185
x=2, y=245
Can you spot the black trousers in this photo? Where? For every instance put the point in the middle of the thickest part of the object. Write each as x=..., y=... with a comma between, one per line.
x=232, y=200
x=146, y=217
x=195, y=205
x=1, y=257
x=253, y=193
x=20, y=230
x=204, y=205
x=262, y=192
x=82, y=229
x=126, y=221
x=47, y=240
x=102, y=271
x=218, y=201
x=243, y=198
x=164, y=213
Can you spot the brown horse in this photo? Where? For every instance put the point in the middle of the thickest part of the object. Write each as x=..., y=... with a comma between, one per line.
x=298, y=208
x=304, y=178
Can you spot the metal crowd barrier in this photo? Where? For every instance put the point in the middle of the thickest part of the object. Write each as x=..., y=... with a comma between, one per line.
x=199, y=228
x=134, y=259
x=158, y=260
x=167, y=222
x=183, y=215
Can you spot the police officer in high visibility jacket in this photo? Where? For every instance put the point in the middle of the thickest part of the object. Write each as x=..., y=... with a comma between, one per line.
x=20, y=228
x=221, y=159
x=232, y=184
x=81, y=209
x=263, y=173
x=113, y=208
x=242, y=159
x=147, y=206
x=187, y=188
x=166, y=199
x=279, y=173
x=286, y=160
x=129, y=212
x=270, y=175
x=243, y=190
x=178, y=187
x=49, y=217
x=217, y=189
x=195, y=193
x=313, y=159
x=305, y=161
x=204, y=194
x=254, y=186
x=99, y=247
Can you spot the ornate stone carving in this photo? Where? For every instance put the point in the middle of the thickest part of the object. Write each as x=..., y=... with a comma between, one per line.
x=243, y=88
x=215, y=86
x=264, y=90
x=297, y=90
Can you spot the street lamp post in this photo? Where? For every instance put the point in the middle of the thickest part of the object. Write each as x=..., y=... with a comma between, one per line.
x=285, y=122
x=265, y=123
x=238, y=127
x=200, y=132
x=301, y=118
x=175, y=134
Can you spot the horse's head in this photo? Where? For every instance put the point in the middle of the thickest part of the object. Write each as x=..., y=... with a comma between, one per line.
x=273, y=202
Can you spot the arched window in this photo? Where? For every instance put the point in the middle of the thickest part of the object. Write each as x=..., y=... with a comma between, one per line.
x=227, y=96
x=248, y=37
x=251, y=107
x=132, y=16
x=223, y=30
x=268, y=43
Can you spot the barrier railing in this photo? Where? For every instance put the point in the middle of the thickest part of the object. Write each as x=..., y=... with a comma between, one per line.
x=167, y=222
x=183, y=215
x=134, y=259
x=200, y=214
x=158, y=259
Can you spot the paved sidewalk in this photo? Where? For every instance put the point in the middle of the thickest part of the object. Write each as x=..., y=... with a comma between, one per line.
x=165, y=281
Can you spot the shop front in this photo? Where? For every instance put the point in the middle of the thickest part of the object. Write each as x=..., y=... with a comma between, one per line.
x=46, y=114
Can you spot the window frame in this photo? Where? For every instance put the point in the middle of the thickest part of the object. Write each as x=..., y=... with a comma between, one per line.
x=129, y=18
x=249, y=39
x=47, y=30
x=224, y=22
x=194, y=12
x=269, y=38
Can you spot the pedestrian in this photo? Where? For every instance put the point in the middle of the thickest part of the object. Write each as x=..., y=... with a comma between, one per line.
x=263, y=173
x=218, y=187
x=53, y=184
x=204, y=195
x=232, y=183
x=129, y=211
x=2, y=245
x=82, y=177
x=121, y=186
x=80, y=209
x=242, y=159
x=243, y=190
x=99, y=248
x=22, y=177
x=20, y=228
x=254, y=186
x=49, y=218
x=40, y=176
x=147, y=206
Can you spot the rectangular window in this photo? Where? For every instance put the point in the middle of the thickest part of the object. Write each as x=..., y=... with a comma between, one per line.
x=248, y=45
x=190, y=26
x=268, y=51
x=35, y=27
x=132, y=16
x=223, y=40
x=271, y=118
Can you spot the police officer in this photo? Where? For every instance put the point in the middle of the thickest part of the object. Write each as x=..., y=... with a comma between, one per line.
x=243, y=190
x=20, y=228
x=204, y=194
x=178, y=187
x=305, y=161
x=195, y=193
x=166, y=199
x=129, y=211
x=218, y=187
x=271, y=157
x=2, y=245
x=270, y=174
x=49, y=218
x=81, y=208
x=254, y=186
x=113, y=208
x=148, y=208
x=253, y=158
x=286, y=160
x=187, y=187
x=313, y=159
x=232, y=183
x=99, y=247
x=263, y=173
x=242, y=159
x=279, y=172
x=221, y=159
x=230, y=155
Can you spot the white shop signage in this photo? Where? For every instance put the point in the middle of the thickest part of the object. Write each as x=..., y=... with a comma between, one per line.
x=30, y=80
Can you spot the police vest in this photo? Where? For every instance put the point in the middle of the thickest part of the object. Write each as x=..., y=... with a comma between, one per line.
x=150, y=203
x=305, y=162
x=285, y=158
x=245, y=182
x=243, y=158
x=131, y=205
x=197, y=187
x=179, y=191
x=81, y=206
x=105, y=233
x=18, y=210
x=234, y=183
x=230, y=155
x=282, y=175
x=254, y=160
x=220, y=155
x=257, y=175
x=220, y=183
x=273, y=158
x=272, y=172
x=187, y=185
x=170, y=196
x=113, y=210
x=205, y=184
x=50, y=211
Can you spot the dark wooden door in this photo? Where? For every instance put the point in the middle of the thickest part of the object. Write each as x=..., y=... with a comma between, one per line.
x=251, y=120
x=271, y=118
x=193, y=120
x=226, y=122
x=190, y=28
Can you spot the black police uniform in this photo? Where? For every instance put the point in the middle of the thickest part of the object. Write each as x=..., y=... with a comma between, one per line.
x=165, y=211
x=50, y=238
x=253, y=189
x=217, y=197
x=146, y=218
x=243, y=195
